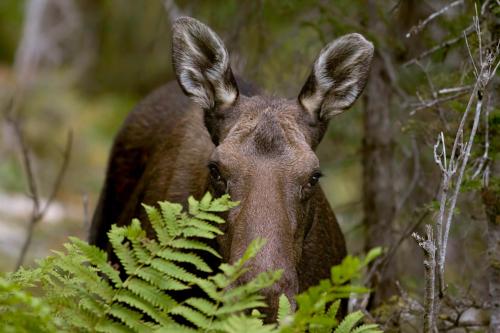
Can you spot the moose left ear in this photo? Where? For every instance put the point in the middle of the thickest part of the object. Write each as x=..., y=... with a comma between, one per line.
x=201, y=64
x=338, y=76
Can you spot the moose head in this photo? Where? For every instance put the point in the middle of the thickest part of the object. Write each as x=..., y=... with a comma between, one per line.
x=264, y=152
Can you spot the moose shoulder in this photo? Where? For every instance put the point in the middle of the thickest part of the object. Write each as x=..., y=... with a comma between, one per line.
x=209, y=131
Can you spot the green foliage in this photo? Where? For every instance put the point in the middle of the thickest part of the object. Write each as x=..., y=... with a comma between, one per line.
x=22, y=312
x=83, y=292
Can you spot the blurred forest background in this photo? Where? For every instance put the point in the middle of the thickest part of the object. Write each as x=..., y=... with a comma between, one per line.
x=80, y=66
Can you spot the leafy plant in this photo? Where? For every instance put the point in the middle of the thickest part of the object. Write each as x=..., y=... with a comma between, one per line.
x=83, y=292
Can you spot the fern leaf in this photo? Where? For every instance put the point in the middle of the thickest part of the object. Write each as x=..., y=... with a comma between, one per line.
x=209, y=217
x=190, y=258
x=170, y=212
x=349, y=322
x=284, y=309
x=93, y=306
x=91, y=280
x=145, y=307
x=237, y=305
x=177, y=328
x=151, y=294
x=221, y=204
x=190, y=244
x=156, y=220
x=195, y=232
x=202, y=225
x=99, y=258
x=173, y=270
x=113, y=327
x=193, y=316
x=205, y=201
x=238, y=324
x=261, y=281
x=202, y=305
x=194, y=205
x=333, y=309
x=209, y=288
x=367, y=328
x=130, y=318
x=160, y=280
x=122, y=251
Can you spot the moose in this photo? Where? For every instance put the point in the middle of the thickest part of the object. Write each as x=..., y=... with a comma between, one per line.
x=213, y=131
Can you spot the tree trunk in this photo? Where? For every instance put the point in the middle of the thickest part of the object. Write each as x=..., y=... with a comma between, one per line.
x=491, y=202
x=378, y=190
x=491, y=194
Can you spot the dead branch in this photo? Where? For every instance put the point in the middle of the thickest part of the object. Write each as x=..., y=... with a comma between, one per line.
x=437, y=101
x=428, y=246
x=447, y=43
x=38, y=212
x=421, y=25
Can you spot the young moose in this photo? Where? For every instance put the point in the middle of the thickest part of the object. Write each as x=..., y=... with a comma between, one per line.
x=228, y=138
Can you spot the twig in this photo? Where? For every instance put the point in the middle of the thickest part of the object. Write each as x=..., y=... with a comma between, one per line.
x=445, y=91
x=447, y=43
x=430, y=104
x=416, y=29
x=428, y=246
x=37, y=212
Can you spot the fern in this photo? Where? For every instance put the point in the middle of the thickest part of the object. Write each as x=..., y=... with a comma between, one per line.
x=83, y=292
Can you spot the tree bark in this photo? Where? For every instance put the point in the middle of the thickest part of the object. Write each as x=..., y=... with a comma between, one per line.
x=378, y=190
x=491, y=194
x=491, y=202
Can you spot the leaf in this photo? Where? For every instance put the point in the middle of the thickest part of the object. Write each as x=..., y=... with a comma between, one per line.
x=372, y=255
x=284, y=309
x=349, y=322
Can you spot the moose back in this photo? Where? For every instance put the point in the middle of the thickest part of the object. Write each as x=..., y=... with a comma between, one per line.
x=209, y=131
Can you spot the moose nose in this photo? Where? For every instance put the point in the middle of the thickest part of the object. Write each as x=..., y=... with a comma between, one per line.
x=287, y=285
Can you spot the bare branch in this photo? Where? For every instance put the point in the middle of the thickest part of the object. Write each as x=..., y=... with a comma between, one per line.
x=432, y=103
x=37, y=212
x=421, y=25
x=428, y=246
x=447, y=43
x=445, y=91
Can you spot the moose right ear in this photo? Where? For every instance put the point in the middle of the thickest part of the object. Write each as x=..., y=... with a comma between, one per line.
x=201, y=64
x=338, y=76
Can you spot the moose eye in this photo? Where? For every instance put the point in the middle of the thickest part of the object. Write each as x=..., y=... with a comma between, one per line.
x=315, y=178
x=214, y=172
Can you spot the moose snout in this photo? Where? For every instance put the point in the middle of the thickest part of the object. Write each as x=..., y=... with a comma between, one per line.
x=287, y=285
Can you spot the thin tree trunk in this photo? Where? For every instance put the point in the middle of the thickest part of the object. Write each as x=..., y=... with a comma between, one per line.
x=378, y=190
x=491, y=195
x=491, y=202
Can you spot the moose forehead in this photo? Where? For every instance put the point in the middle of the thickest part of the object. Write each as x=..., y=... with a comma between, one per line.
x=268, y=129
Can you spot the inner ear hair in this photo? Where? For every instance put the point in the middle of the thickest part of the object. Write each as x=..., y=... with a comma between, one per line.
x=338, y=76
x=201, y=64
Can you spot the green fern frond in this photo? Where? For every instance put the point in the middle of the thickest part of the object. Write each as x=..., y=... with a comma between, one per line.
x=195, y=317
x=203, y=305
x=190, y=244
x=349, y=322
x=284, y=309
x=367, y=328
x=190, y=258
x=239, y=323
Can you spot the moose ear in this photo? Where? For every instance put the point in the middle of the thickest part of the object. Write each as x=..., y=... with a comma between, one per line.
x=201, y=64
x=338, y=76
